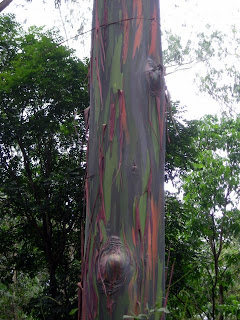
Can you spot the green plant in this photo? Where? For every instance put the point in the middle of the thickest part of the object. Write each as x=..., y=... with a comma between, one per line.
x=149, y=313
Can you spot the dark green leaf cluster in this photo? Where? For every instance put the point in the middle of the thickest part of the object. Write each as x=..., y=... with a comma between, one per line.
x=179, y=142
x=43, y=92
x=202, y=229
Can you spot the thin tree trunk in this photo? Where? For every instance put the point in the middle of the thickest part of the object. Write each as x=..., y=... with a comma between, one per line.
x=123, y=269
x=221, y=299
x=15, y=307
x=4, y=4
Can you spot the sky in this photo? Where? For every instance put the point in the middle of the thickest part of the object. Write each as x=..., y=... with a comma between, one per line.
x=190, y=17
x=187, y=17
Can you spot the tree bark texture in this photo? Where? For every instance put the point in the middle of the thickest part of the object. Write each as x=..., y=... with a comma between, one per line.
x=4, y=4
x=123, y=267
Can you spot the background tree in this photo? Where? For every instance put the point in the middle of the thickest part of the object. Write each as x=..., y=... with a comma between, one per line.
x=43, y=91
x=5, y=3
x=206, y=285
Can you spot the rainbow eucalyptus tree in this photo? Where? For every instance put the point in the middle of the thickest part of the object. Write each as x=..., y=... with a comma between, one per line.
x=124, y=238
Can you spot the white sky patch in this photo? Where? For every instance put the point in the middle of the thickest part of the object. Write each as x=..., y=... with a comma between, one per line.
x=184, y=17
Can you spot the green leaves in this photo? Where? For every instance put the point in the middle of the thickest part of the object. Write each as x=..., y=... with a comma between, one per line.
x=73, y=311
x=221, y=80
x=202, y=231
x=148, y=315
x=43, y=93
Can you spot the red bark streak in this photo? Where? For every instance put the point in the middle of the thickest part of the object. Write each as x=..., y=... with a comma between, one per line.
x=99, y=82
x=102, y=55
x=100, y=232
x=133, y=237
x=91, y=68
x=110, y=303
x=121, y=131
x=125, y=34
x=122, y=114
x=152, y=49
x=105, y=19
x=101, y=214
x=137, y=40
x=104, y=127
x=86, y=117
x=98, y=33
x=131, y=288
x=138, y=235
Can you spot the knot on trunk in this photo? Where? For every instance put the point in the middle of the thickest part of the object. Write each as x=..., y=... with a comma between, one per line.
x=114, y=266
x=154, y=75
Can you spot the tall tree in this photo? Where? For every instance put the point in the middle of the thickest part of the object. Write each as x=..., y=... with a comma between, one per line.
x=203, y=229
x=124, y=244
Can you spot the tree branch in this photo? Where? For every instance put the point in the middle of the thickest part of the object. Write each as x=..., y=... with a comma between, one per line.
x=179, y=68
x=4, y=4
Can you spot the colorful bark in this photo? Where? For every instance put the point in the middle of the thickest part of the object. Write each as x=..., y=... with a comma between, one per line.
x=123, y=265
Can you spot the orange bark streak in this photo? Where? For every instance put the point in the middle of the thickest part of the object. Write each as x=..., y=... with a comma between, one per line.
x=133, y=237
x=124, y=118
x=152, y=49
x=131, y=291
x=138, y=4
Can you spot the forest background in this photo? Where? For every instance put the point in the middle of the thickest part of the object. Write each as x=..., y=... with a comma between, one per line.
x=43, y=143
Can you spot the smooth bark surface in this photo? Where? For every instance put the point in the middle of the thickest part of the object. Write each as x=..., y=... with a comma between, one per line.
x=123, y=269
x=4, y=4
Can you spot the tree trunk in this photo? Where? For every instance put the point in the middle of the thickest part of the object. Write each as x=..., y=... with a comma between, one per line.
x=15, y=306
x=4, y=4
x=123, y=267
x=221, y=299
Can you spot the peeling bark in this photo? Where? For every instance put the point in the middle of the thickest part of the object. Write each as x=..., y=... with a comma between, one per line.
x=123, y=267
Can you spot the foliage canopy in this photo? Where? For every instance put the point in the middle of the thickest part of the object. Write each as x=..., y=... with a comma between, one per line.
x=43, y=92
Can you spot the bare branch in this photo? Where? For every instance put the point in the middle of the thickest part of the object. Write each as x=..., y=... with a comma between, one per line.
x=191, y=63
